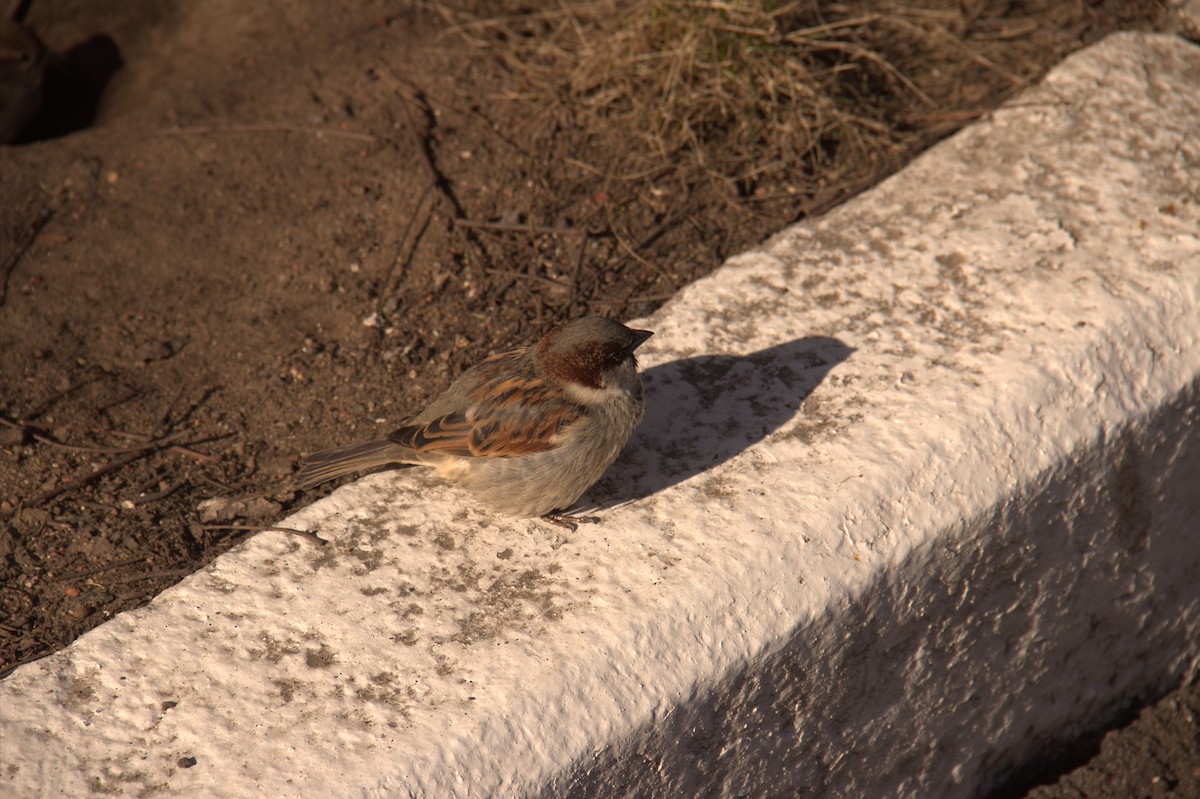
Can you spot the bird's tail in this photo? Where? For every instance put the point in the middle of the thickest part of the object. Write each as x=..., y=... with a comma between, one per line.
x=328, y=464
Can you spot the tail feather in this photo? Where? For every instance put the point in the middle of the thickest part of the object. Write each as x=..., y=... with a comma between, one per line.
x=328, y=464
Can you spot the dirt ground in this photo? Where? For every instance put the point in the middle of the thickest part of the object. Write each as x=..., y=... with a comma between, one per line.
x=293, y=223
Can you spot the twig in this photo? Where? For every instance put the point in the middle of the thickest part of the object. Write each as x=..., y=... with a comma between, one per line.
x=152, y=576
x=578, y=269
x=556, y=285
x=181, y=449
x=400, y=264
x=666, y=295
x=858, y=51
x=425, y=134
x=161, y=424
x=256, y=528
x=146, y=499
x=492, y=22
x=953, y=117
x=1018, y=29
x=53, y=442
x=645, y=173
x=816, y=30
x=46, y=404
x=624, y=245
x=251, y=528
x=25, y=238
x=133, y=393
x=25, y=594
x=145, y=485
x=520, y=227
x=267, y=128
x=111, y=466
x=954, y=41
x=217, y=484
x=80, y=482
x=130, y=435
x=92, y=572
x=10, y=668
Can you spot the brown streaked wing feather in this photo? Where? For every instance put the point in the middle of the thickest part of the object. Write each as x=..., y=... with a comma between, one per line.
x=522, y=435
x=449, y=434
x=510, y=410
x=456, y=434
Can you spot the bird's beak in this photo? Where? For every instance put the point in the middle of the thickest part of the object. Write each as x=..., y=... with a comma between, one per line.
x=640, y=337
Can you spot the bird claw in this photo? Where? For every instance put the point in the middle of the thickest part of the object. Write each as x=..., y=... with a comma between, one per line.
x=569, y=521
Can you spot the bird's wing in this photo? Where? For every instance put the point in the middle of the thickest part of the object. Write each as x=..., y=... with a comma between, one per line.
x=499, y=435
x=500, y=408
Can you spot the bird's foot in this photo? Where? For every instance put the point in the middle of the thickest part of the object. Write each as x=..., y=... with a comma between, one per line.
x=569, y=521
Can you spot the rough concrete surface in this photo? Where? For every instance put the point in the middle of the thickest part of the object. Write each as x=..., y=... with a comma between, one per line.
x=915, y=497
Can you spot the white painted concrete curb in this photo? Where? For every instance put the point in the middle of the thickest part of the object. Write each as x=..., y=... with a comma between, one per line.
x=917, y=493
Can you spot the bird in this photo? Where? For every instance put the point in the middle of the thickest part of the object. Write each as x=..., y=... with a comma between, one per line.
x=526, y=432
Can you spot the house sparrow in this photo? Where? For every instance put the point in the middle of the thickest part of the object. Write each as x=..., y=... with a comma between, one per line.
x=526, y=431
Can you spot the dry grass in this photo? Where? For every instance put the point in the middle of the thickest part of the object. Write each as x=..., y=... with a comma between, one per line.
x=760, y=112
x=769, y=99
